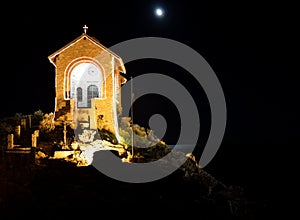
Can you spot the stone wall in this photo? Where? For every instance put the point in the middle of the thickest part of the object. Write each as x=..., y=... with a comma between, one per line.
x=85, y=49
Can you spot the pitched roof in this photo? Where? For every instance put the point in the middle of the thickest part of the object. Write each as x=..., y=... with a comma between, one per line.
x=93, y=40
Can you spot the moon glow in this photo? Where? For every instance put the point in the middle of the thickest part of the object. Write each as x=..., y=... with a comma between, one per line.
x=159, y=12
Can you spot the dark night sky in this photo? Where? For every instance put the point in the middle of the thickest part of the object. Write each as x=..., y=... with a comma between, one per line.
x=248, y=44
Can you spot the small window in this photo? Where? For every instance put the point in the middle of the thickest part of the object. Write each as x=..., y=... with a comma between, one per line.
x=92, y=92
x=79, y=94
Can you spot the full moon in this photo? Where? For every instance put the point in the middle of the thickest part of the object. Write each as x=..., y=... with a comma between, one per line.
x=159, y=12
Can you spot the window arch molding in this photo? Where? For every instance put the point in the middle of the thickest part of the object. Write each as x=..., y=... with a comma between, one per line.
x=70, y=68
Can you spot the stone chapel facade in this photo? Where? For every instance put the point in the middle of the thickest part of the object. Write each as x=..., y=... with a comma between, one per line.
x=87, y=84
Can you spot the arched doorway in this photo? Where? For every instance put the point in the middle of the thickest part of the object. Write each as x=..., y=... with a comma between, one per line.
x=85, y=84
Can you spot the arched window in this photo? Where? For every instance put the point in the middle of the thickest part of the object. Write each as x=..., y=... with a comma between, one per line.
x=92, y=92
x=79, y=94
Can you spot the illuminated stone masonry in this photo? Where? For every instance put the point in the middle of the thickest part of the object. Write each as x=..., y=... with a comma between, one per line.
x=87, y=84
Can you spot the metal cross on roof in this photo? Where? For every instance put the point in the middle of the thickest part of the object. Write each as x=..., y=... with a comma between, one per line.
x=85, y=28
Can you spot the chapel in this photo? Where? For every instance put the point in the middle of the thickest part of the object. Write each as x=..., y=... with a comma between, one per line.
x=88, y=79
